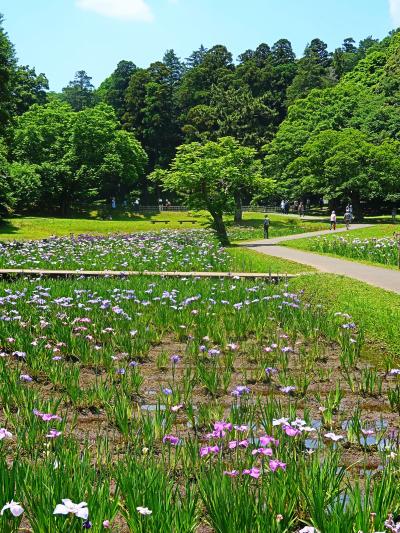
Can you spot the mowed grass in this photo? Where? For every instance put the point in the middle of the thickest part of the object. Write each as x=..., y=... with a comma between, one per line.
x=376, y=309
x=375, y=232
x=247, y=260
x=43, y=227
x=281, y=225
x=251, y=227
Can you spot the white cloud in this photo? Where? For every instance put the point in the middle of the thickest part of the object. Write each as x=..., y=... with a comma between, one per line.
x=395, y=11
x=121, y=9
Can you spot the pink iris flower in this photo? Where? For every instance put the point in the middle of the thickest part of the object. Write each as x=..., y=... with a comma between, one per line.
x=53, y=434
x=275, y=465
x=171, y=439
x=263, y=451
x=206, y=450
x=252, y=472
x=291, y=431
x=232, y=473
x=46, y=417
x=266, y=440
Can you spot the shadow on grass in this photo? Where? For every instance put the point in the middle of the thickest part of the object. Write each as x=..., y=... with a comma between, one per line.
x=7, y=228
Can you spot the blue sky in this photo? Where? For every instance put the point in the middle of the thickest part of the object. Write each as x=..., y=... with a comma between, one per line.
x=59, y=37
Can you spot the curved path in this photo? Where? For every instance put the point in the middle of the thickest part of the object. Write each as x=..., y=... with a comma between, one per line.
x=373, y=275
x=278, y=240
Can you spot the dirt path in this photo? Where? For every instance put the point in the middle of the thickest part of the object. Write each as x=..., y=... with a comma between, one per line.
x=373, y=275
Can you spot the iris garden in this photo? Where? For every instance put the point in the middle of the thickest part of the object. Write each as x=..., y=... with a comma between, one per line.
x=195, y=405
x=383, y=250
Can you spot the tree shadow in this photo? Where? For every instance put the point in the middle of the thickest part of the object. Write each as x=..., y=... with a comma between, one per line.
x=7, y=228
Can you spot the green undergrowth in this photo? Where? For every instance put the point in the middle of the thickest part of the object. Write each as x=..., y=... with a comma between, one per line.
x=248, y=260
x=378, y=310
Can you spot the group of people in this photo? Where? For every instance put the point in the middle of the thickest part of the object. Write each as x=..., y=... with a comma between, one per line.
x=298, y=207
x=135, y=204
x=348, y=217
x=162, y=204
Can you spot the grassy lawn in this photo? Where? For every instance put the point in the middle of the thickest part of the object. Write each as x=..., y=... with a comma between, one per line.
x=247, y=260
x=43, y=227
x=376, y=232
x=251, y=228
x=281, y=225
x=376, y=309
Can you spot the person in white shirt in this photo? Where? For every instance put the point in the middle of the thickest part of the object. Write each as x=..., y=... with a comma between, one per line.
x=333, y=220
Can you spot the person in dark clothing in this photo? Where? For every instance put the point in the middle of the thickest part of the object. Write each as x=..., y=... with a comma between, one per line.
x=266, y=227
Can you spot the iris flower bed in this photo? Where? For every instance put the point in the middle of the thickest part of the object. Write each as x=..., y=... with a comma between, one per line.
x=384, y=250
x=195, y=250
x=155, y=405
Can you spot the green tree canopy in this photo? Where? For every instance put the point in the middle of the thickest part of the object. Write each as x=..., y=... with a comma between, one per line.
x=213, y=176
x=361, y=112
x=313, y=71
x=28, y=88
x=79, y=93
x=112, y=90
x=7, y=68
x=6, y=198
x=345, y=165
x=151, y=112
x=78, y=155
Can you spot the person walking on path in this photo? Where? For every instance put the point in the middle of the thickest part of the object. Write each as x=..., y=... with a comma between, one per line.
x=286, y=207
x=266, y=227
x=283, y=205
x=333, y=220
x=301, y=209
x=347, y=219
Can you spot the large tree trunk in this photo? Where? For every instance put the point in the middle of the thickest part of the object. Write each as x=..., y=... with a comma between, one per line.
x=64, y=204
x=238, y=210
x=219, y=227
x=356, y=203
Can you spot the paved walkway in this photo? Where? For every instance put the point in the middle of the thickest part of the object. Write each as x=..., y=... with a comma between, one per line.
x=277, y=240
x=376, y=276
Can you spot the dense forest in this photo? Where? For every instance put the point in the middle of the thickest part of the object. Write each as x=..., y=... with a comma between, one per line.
x=326, y=124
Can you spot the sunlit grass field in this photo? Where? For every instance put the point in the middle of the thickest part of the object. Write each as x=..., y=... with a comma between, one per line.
x=251, y=228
